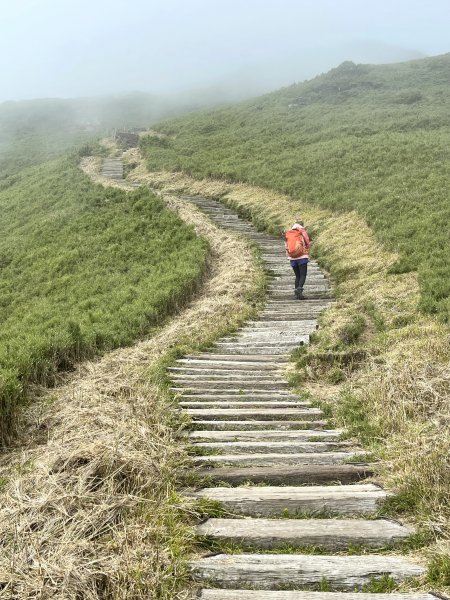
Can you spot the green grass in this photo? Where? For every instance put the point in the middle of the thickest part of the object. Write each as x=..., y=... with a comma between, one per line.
x=83, y=269
x=371, y=138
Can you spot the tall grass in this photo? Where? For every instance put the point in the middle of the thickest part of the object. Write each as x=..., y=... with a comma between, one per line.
x=82, y=269
x=371, y=138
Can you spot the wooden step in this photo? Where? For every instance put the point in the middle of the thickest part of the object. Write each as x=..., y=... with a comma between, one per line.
x=229, y=375
x=275, y=344
x=276, y=447
x=328, y=534
x=222, y=396
x=269, y=501
x=255, y=425
x=273, y=414
x=256, y=383
x=224, y=371
x=247, y=404
x=221, y=594
x=244, y=390
x=227, y=365
x=275, y=571
x=248, y=436
x=248, y=358
x=267, y=459
x=292, y=475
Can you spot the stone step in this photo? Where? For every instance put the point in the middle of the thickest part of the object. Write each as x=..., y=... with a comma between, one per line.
x=288, y=474
x=270, y=501
x=277, y=447
x=243, y=435
x=275, y=571
x=328, y=534
x=255, y=425
x=260, y=414
x=221, y=594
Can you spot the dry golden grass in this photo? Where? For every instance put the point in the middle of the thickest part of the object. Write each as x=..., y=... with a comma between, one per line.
x=403, y=383
x=89, y=507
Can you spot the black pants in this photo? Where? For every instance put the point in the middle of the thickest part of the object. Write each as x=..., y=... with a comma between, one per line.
x=300, y=275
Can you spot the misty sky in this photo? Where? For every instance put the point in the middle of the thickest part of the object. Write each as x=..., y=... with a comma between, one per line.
x=69, y=48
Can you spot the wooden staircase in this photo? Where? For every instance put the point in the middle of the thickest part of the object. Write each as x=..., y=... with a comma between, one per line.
x=285, y=482
x=293, y=499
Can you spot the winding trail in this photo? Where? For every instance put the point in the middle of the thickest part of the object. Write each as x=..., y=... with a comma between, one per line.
x=293, y=501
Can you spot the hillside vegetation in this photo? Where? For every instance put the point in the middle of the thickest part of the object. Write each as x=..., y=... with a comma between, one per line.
x=371, y=138
x=82, y=269
x=34, y=131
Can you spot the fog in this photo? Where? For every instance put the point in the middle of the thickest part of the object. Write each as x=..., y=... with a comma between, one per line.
x=75, y=48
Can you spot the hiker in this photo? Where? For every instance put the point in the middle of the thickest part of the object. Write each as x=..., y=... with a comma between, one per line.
x=297, y=250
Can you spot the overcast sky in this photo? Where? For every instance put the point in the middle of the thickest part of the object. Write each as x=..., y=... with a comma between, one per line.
x=68, y=48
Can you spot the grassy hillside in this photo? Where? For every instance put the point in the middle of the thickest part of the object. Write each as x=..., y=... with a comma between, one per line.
x=82, y=269
x=371, y=138
x=34, y=131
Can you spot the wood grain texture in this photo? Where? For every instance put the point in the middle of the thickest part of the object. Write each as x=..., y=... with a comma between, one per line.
x=288, y=474
x=287, y=595
x=272, y=571
x=267, y=459
x=331, y=534
x=248, y=436
x=276, y=447
x=271, y=501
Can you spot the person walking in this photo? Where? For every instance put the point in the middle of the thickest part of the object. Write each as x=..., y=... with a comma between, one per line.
x=297, y=244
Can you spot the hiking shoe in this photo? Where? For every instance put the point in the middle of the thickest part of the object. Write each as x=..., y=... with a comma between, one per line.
x=299, y=294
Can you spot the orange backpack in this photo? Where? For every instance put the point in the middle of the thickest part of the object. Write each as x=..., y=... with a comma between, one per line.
x=295, y=243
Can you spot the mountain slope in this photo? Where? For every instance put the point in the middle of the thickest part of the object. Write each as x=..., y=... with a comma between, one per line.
x=371, y=138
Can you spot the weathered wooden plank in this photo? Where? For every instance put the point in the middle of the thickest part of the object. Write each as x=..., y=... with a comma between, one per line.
x=269, y=571
x=233, y=383
x=243, y=435
x=221, y=395
x=258, y=414
x=271, y=501
x=270, y=459
x=288, y=474
x=329, y=534
x=276, y=447
x=221, y=594
x=206, y=362
x=235, y=404
x=210, y=374
x=217, y=356
x=244, y=390
x=256, y=425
